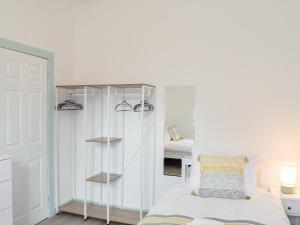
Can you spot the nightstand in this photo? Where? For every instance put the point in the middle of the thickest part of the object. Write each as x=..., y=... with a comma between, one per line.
x=291, y=205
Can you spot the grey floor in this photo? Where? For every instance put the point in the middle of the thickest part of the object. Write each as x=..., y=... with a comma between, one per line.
x=69, y=219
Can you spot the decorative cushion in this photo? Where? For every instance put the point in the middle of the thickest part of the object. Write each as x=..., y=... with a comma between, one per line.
x=175, y=135
x=222, y=177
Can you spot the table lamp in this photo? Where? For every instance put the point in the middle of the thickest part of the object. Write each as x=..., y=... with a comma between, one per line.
x=288, y=178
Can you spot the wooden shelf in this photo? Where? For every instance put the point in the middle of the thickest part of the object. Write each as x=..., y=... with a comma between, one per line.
x=102, y=177
x=104, y=139
x=97, y=211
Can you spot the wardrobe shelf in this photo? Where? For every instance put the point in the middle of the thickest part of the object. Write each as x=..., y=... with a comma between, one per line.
x=104, y=139
x=102, y=178
x=124, y=216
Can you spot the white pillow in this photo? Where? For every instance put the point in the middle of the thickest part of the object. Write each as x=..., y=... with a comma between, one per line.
x=250, y=173
x=264, y=175
x=167, y=135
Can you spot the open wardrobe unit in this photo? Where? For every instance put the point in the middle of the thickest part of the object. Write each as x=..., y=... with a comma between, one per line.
x=105, y=151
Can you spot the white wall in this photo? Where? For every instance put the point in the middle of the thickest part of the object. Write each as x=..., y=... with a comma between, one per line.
x=43, y=24
x=179, y=108
x=242, y=56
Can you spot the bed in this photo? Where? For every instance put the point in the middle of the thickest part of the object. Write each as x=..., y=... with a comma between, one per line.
x=178, y=149
x=262, y=209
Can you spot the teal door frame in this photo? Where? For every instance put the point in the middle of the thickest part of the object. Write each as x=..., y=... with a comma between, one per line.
x=49, y=56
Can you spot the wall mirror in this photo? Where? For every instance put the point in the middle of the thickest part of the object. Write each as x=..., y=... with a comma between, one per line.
x=179, y=132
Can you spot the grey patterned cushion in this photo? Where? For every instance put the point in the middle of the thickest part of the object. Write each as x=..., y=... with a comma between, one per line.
x=222, y=177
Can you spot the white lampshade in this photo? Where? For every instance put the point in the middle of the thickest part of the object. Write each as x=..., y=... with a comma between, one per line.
x=288, y=175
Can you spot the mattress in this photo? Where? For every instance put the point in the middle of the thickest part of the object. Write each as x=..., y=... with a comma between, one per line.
x=263, y=207
x=183, y=145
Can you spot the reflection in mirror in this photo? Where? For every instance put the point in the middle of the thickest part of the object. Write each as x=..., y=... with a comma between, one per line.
x=179, y=129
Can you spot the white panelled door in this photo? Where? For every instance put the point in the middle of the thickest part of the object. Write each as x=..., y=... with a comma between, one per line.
x=23, y=132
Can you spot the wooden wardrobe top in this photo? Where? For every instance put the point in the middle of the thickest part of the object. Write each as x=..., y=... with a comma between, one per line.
x=81, y=86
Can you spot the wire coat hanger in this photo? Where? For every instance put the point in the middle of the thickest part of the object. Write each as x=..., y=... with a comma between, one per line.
x=147, y=107
x=69, y=105
x=123, y=106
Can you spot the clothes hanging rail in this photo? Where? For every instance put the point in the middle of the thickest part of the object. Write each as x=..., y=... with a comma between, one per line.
x=109, y=212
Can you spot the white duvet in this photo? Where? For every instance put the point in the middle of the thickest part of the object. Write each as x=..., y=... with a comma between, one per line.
x=184, y=145
x=263, y=207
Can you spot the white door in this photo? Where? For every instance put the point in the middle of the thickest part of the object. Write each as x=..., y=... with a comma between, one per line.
x=23, y=132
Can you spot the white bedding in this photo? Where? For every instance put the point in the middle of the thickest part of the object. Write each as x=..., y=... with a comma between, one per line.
x=263, y=207
x=183, y=145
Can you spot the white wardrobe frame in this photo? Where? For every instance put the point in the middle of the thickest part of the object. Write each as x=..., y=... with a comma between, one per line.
x=108, y=141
